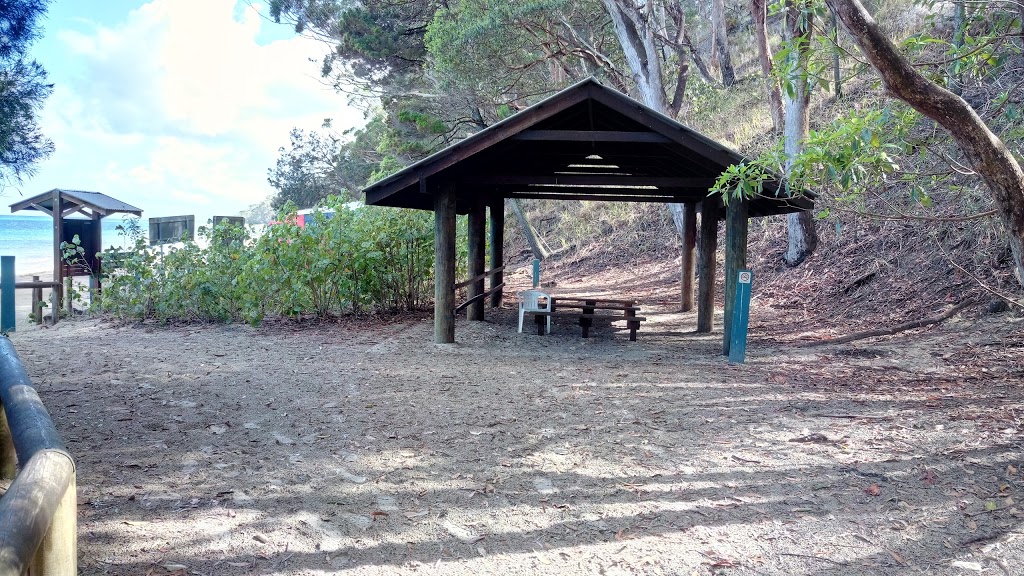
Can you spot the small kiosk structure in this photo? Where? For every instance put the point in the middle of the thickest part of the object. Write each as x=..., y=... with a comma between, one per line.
x=60, y=204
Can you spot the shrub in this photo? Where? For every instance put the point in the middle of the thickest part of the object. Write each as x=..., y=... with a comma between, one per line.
x=353, y=259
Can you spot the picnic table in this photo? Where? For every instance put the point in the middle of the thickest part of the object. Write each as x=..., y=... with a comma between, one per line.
x=587, y=309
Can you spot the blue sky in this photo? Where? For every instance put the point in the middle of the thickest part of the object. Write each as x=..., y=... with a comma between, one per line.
x=175, y=106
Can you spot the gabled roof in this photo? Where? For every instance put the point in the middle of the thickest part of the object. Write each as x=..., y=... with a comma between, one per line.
x=97, y=202
x=587, y=142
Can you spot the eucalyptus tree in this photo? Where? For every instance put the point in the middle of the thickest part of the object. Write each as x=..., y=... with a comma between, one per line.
x=720, y=42
x=798, y=31
x=985, y=152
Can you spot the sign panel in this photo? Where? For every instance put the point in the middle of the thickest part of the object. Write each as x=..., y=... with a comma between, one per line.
x=740, y=317
x=170, y=229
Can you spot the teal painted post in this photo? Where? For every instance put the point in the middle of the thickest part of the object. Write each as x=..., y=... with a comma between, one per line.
x=6, y=294
x=536, y=272
x=740, y=317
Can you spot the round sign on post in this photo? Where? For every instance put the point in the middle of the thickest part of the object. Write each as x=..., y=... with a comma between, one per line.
x=744, y=277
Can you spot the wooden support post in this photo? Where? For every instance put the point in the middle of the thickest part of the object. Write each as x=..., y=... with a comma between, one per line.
x=58, y=256
x=8, y=455
x=706, y=264
x=54, y=305
x=57, y=555
x=689, y=254
x=37, y=302
x=735, y=260
x=444, y=264
x=477, y=262
x=95, y=283
x=497, y=209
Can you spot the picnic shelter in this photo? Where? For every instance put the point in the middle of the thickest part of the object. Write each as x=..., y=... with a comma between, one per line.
x=587, y=142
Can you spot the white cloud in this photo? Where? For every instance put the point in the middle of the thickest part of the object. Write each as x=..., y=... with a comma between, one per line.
x=177, y=107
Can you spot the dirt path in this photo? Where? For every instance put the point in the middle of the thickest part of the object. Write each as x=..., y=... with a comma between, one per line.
x=305, y=449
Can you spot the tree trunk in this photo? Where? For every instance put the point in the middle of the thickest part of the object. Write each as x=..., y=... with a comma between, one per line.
x=985, y=152
x=1020, y=18
x=759, y=10
x=720, y=42
x=803, y=238
x=636, y=36
x=540, y=252
x=837, y=72
x=635, y=33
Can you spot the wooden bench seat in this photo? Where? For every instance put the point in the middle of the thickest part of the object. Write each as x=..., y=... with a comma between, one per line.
x=560, y=305
x=586, y=320
x=595, y=300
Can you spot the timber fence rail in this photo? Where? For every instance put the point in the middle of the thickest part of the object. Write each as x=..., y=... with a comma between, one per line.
x=7, y=287
x=489, y=274
x=38, y=513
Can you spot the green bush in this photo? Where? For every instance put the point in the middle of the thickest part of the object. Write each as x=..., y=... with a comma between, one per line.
x=362, y=258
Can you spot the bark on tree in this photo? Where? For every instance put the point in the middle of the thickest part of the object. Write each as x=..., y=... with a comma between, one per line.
x=837, y=71
x=635, y=32
x=985, y=152
x=720, y=42
x=537, y=246
x=759, y=10
x=639, y=34
x=803, y=238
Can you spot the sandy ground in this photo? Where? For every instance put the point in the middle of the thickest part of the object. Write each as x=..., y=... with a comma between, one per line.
x=361, y=447
x=23, y=299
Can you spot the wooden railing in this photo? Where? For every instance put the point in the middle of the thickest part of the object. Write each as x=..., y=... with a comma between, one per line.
x=8, y=286
x=489, y=274
x=38, y=513
x=37, y=286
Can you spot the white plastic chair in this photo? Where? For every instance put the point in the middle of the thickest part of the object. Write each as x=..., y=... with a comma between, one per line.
x=529, y=301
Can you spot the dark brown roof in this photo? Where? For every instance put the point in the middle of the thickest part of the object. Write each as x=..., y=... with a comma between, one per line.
x=587, y=142
x=95, y=201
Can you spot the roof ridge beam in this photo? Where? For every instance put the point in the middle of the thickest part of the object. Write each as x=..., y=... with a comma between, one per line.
x=590, y=180
x=593, y=136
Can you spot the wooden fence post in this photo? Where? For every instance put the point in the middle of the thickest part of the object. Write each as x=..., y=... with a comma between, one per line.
x=8, y=455
x=7, y=310
x=37, y=302
x=69, y=305
x=54, y=304
x=58, y=553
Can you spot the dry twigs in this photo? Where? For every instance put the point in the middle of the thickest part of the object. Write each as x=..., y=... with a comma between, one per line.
x=895, y=329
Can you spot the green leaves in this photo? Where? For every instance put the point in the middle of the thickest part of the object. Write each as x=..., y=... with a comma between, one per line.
x=849, y=156
x=341, y=261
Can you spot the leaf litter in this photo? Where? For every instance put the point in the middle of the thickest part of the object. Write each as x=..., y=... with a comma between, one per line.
x=550, y=455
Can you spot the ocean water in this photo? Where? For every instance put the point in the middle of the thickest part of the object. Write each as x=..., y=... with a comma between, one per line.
x=30, y=240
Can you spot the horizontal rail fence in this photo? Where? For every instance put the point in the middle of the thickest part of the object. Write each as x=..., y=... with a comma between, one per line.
x=489, y=274
x=8, y=285
x=38, y=513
